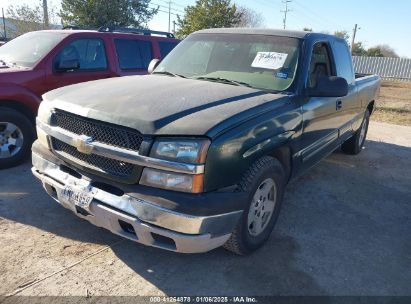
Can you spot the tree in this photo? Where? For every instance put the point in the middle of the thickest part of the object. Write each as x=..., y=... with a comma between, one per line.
x=307, y=29
x=208, y=14
x=250, y=18
x=27, y=18
x=382, y=50
x=359, y=49
x=96, y=13
x=374, y=52
x=343, y=35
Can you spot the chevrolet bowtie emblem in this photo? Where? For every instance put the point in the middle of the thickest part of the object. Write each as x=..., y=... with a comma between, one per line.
x=83, y=143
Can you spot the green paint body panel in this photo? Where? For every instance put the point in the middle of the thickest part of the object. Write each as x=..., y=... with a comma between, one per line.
x=242, y=123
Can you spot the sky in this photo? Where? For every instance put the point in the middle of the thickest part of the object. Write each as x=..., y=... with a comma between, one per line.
x=380, y=21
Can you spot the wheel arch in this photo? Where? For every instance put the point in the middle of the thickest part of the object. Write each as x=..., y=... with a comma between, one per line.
x=283, y=155
x=371, y=106
x=19, y=107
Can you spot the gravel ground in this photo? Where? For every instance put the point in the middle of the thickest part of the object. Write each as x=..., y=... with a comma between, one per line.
x=344, y=229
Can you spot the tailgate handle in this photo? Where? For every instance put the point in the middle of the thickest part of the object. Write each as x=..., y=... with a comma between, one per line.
x=339, y=104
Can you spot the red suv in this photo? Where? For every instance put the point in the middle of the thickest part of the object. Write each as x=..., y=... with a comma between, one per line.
x=38, y=62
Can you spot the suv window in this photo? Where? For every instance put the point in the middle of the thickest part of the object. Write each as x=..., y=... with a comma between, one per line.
x=320, y=64
x=343, y=61
x=90, y=52
x=166, y=47
x=133, y=54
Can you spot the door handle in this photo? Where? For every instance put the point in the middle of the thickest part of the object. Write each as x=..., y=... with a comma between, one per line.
x=339, y=104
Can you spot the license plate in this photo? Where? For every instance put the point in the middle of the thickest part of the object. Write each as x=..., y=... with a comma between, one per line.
x=79, y=196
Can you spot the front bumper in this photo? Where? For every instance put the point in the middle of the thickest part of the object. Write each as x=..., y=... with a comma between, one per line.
x=135, y=218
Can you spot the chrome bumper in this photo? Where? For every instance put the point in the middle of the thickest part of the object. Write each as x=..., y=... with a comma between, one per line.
x=146, y=223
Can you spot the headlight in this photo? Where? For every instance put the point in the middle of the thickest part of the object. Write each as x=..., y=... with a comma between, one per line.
x=44, y=112
x=43, y=138
x=43, y=115
x=181, y=150
x=189, y=151
x=172, y=181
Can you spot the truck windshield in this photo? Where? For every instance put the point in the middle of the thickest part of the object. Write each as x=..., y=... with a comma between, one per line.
x=26, y=50
x=258, y=61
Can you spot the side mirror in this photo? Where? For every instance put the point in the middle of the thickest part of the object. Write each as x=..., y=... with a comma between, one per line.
x=68, y=65
x=329, y=87
x=153, y=64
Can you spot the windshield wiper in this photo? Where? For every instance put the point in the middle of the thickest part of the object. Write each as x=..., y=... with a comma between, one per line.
x=4, y=63
x=170, y=74
x=224, y=80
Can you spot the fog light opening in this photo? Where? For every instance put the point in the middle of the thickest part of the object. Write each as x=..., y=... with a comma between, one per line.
x=163, y=241
x=127, y=227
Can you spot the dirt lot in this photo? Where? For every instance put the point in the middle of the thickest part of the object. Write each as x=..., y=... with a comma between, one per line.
x=394, y=104
x=344, y=230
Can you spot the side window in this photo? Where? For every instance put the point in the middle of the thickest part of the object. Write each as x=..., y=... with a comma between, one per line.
x=90, y=53
x=166, y=47
x=133, y=54
x=343, y=61
x=320, y=64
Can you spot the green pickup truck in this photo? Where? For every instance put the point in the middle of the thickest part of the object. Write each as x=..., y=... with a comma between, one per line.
x=197, y=154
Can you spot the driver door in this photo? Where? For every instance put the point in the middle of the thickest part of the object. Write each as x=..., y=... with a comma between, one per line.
x=321, y=115
x=91, y=56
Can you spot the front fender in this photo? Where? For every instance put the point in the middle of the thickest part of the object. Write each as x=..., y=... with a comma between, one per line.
x=231, y=154
x=13, y=93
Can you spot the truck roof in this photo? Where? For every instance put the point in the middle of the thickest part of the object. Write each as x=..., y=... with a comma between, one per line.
x=265, y=31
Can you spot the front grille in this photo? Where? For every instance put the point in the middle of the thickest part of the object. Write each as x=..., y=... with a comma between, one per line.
x=106, y=133
x=97, y=163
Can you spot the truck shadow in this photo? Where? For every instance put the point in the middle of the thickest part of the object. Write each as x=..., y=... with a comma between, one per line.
x=318, y=241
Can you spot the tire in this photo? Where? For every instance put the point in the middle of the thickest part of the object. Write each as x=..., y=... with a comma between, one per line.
x=265, y=173
x=16, y=137
x=355, y=143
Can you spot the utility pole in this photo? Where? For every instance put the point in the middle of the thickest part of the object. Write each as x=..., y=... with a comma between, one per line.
x=45, y=14
x=356, y=28
x=286, y=11
x=169, y=16
x=4, y=25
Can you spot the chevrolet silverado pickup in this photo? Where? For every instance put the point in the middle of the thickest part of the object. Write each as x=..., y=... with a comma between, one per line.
x=197, y=154
x=38, y=62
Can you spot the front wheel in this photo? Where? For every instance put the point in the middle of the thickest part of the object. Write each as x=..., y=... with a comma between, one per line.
x=16, y=136
x=265, y=182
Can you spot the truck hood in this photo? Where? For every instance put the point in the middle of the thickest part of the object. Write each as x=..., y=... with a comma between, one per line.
x=162, y=105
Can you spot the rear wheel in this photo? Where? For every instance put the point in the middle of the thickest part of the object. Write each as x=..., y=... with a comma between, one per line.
x=355, y=144
x=16, y=136
x=265, y=182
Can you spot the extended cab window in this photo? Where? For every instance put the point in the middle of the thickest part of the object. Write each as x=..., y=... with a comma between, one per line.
x=166, y=47
x=90, y=53
x=259, y=61
x=133, y=54
x=343, y=61
x=320, y=64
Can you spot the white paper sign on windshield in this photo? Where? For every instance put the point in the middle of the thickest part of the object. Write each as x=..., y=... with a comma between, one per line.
x=269, y=60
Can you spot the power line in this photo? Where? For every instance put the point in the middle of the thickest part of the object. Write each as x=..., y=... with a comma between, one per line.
x=166, y=12
x=321, y=18
x=167, y=7
x=173, y=3
x=313, y=20
x=286, y=11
